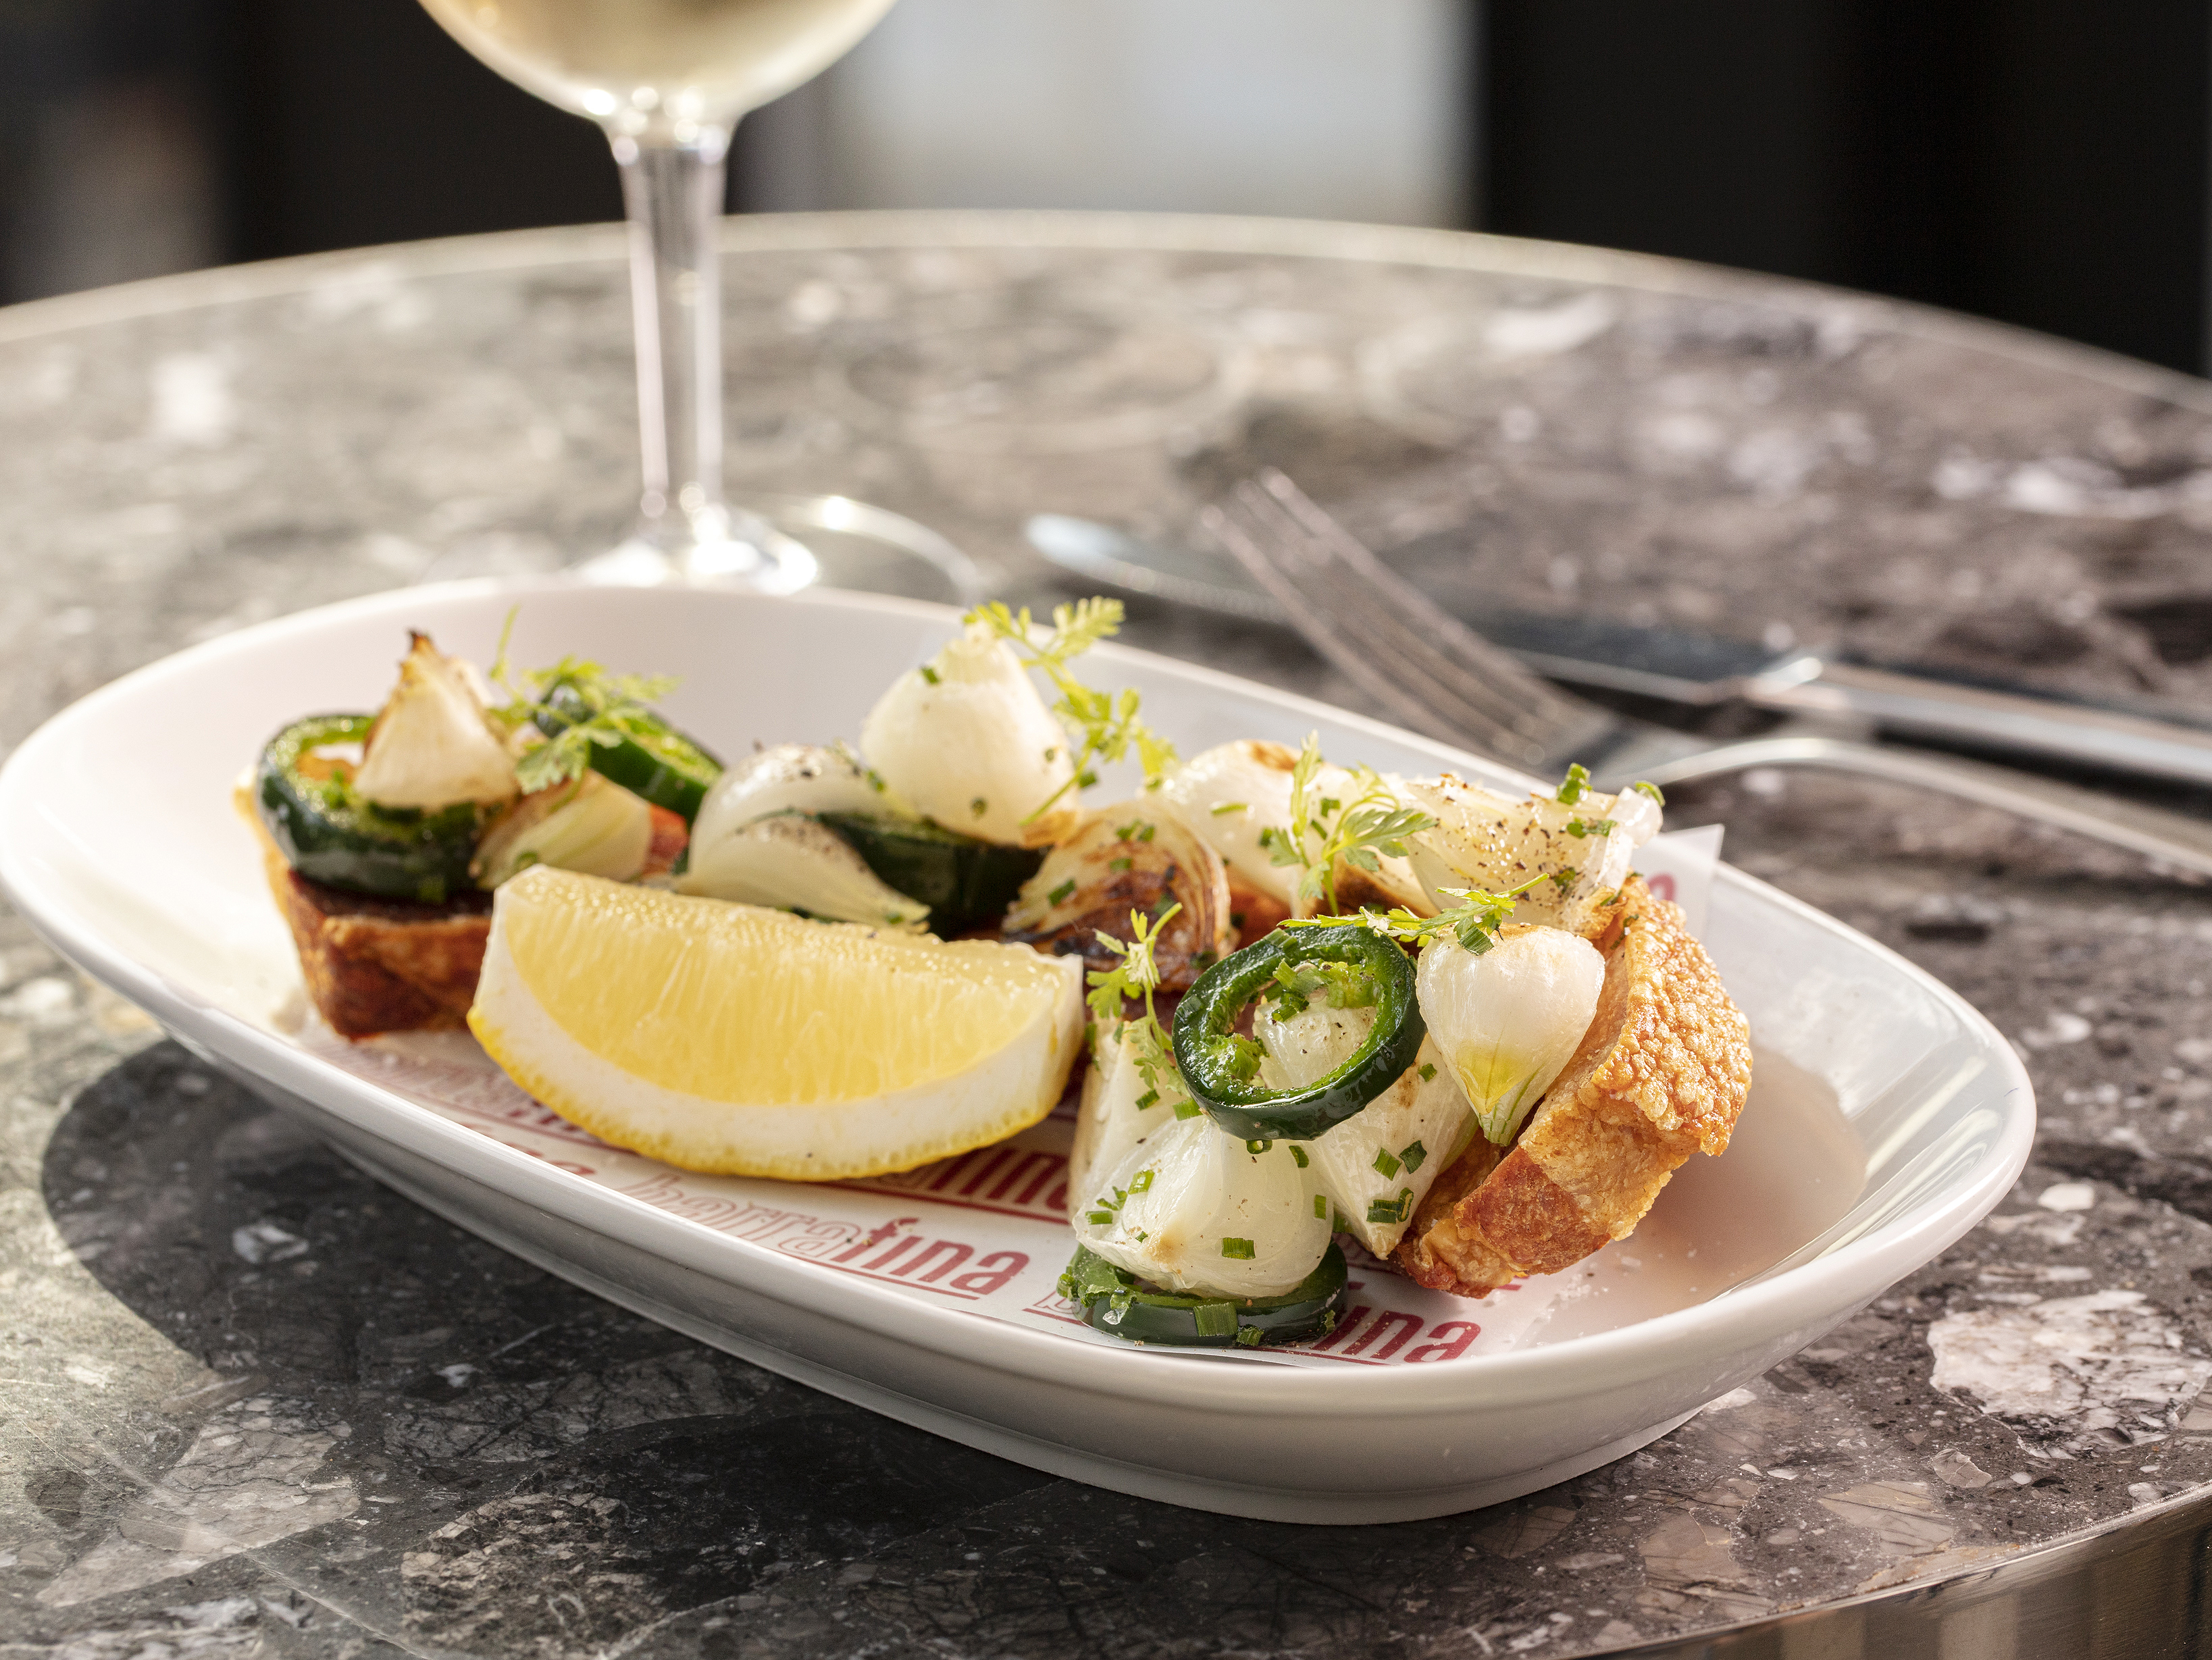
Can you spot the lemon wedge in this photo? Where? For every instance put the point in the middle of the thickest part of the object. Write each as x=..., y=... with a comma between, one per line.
x=741, y=1041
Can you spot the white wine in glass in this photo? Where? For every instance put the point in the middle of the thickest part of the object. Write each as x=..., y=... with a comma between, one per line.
x=667, y=80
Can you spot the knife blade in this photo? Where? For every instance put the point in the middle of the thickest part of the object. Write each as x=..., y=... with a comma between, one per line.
x=2148, y=736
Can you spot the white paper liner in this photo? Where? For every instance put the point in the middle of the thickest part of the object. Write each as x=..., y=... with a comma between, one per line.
x=986, y=1232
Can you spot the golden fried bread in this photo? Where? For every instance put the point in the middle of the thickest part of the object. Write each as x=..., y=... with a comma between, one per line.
x=377, y=965
x=1663, y=1072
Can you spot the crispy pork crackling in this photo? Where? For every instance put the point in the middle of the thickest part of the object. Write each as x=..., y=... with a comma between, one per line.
x=1662, y=1073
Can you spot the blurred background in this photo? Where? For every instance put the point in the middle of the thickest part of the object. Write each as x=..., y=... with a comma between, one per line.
x=2039, y=161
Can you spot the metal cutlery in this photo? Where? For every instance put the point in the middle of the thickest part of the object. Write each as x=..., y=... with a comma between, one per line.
x=1680, y=666
x=1439, y=676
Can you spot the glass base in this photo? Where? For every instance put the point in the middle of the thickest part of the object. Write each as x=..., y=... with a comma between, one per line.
x=801, y=540
x=718, y=550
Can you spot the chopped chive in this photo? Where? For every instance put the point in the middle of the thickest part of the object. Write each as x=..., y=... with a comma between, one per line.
x=1299, y=1153
x=1428, y=1071
x=1145, y=832
x=1187, y=1109
x=1415, y=1156
x=1058, y=895
x=1256, y=1148
x=1232, y=806
x=1149, y=1099
x=1329, y=804
x=1118, y=865
x=1086, y=779
x=1215, y=1319
x=1142, y=1236
x=1320, y=1208
x=929, y=674
x=1239, y=1249
x=1384, y=1162
x=1391, y=1210
x=1652, y=790
x=1247, y=1337
x=1102, y=1216
x=1141, y=1182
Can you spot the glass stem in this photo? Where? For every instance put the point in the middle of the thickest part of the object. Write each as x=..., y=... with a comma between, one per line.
x=673, y=191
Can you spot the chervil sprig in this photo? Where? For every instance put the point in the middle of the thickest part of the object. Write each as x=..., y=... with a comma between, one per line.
x=1475, y=922
x=1369, y=827
x=619, y=705
x=1104, y=724
x=1135, y=977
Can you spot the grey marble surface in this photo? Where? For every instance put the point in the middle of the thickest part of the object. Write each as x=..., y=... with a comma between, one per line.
x=256, y=1403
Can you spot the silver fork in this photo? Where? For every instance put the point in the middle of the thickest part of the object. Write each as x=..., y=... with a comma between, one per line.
x=1439, y=677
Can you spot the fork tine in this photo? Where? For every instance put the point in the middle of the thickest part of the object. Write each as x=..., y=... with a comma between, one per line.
x=1440, y=688
x=1448, y=695
x=1497, y=669
x=1439, y=675
x=1386, y=627
x=1357, y=661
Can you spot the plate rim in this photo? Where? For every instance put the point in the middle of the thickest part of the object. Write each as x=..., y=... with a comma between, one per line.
x=1644, y=1350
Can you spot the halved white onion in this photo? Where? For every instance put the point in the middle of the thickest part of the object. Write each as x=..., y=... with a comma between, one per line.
x=789, y=861
x=1206, y=1191
x=1109, y=1122
x=967, y=743
x=1388, y=1153
x=1508, y=1021
x=433, y=745
x=786, y=778
x=588, y=825
x=1485, y=840
x=1235, y=797
x=1231, y=795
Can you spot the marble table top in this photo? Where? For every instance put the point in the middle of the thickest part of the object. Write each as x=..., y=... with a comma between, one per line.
x=256, y=1403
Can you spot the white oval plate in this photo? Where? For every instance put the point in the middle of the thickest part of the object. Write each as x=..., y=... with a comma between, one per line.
x=1886, y=1116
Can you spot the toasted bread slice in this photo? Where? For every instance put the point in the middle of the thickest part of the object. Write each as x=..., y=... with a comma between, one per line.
x=377, y=965
x=1663, y=1072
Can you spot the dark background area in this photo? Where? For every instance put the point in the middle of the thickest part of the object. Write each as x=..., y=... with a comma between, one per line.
x=2041, y=161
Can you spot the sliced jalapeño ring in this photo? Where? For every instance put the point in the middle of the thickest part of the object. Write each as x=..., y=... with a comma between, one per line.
x=649, y=758
x=1115, y=1301
x=1216, y=1064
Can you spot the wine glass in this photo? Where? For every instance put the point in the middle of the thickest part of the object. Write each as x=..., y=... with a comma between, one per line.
x=667, y=80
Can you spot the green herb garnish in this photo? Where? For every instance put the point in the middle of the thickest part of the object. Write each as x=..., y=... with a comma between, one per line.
x=1105, y=724
x=1136, y=977
x=1324, y=829
x=617, y=707
x=1475, y=922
